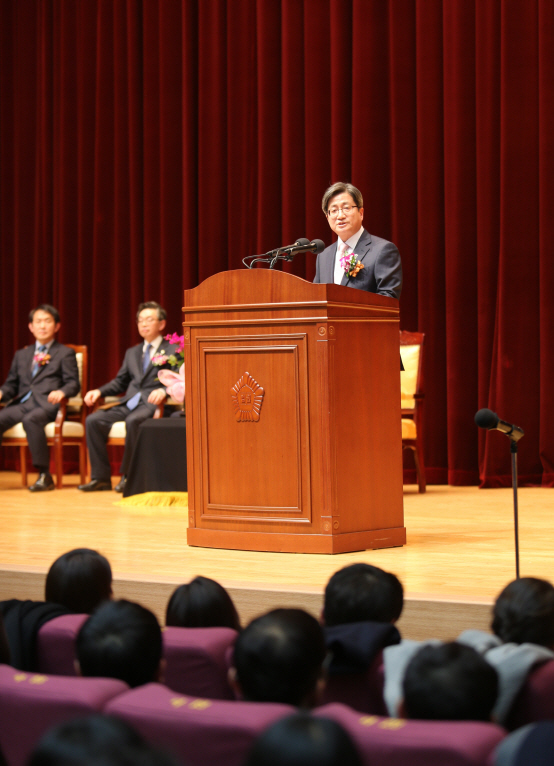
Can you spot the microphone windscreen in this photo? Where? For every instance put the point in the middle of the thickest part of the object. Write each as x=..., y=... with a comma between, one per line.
x=486, y=419
x=319, y=245
x=302, y=242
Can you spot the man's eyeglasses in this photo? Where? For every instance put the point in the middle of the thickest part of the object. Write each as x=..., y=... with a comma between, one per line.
x=334, y=211
x=146, y=320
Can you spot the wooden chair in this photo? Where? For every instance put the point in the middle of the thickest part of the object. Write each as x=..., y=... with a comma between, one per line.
x=68, y=429
x=411, y=391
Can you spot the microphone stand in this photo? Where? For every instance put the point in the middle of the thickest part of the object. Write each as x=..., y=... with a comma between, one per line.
x=513, y=451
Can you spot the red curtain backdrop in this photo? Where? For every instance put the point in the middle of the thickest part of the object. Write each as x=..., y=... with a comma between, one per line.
x=147, y=145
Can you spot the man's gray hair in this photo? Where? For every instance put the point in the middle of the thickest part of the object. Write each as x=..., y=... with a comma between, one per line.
x=162, y=313
x=341, y=188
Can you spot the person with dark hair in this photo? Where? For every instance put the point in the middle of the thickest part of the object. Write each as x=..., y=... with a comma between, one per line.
x=5, y=655
x=279, y=657
x=122, y=640
x=40, y=377
x=449, y=682
x=523, y=624
x=361, y=593
x=358, y=259
x=138, y=381
x=524, y=613
x=362, y=603
x=201, y=603
x=301, y=740
x=97, y=739
x=80, y=580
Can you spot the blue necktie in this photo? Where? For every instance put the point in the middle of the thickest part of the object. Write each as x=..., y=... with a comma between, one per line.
x=134, y=400
x=36, y=367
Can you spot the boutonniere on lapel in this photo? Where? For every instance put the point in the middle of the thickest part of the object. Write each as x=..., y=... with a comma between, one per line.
x=176, y=359
x=41, y=358
x=351, y=264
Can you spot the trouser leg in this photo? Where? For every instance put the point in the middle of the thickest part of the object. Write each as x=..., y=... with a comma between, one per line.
x=98, y=427
x=132, y=425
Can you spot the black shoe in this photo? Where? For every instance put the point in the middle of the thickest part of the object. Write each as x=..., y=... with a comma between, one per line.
x=44, y=483
x=121, y=486
x=95, y=486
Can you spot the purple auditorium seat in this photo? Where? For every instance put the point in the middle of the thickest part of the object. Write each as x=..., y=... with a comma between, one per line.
x=535, y=702
x=199, y=731
x=31, y=703
x=396, y=742
x=56, y=644
x=196, y=661
x=361, y=691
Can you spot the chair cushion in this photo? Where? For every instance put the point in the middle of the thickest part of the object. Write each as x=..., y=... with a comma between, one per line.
x=56, y=644
x=196, y=661
x=118, y=430
x=15, y=432
x=409, y=430
x=70, y=429
x=396, y=742
x=200, y=732
x=31, y=703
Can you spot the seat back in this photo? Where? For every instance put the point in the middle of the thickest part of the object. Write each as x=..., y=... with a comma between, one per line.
x=396, y=742
x=56, y=644
x=411, y=382
x=31, y=703
x=361, y=691
x=196, y=661
x=535, y=702
x=75, y=403
x=200, y=732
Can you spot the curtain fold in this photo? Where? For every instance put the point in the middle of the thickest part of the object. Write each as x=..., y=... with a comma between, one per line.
x=145, y=146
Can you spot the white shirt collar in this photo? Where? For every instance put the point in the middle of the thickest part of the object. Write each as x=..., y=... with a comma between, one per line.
x=38, y=344
x=353, y=240
x=156, y=343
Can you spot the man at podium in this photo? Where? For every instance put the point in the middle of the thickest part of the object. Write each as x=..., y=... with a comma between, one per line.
x=357, y=259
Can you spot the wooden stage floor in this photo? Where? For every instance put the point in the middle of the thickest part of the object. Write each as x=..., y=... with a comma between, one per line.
x=459, y=554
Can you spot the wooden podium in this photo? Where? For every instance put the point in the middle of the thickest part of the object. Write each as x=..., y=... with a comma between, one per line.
x=293, y=415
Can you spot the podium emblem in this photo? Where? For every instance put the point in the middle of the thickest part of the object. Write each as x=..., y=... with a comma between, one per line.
x=247, y=398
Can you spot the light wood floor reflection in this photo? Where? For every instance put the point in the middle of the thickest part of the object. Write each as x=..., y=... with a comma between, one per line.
x=460, y=541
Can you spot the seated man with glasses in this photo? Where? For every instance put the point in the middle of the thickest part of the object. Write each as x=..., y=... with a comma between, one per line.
x=358, y=259
x=138, y=381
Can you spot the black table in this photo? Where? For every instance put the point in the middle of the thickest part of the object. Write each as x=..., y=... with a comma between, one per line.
x=159, y=462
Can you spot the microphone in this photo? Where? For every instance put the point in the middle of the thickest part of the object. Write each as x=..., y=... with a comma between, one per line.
x=305, y=246
x=490, y=420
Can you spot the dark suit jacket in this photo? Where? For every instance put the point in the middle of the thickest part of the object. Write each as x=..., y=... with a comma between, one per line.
x=130, y=379
x=382, y=272
x=60, y=374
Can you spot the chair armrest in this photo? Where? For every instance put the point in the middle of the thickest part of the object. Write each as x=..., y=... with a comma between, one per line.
x=60, y=417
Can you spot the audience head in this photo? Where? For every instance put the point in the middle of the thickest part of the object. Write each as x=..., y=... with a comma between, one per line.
x=121, y=640
x=279, y=657
x=79, y=580
x=98, y=740
x=300, y=740
x=360, y=593
x=530, y=745
x=449, y=682
x=202, y=603
x=524, y=613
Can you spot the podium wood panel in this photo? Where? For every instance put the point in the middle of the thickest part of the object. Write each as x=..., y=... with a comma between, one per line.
x=316, y=466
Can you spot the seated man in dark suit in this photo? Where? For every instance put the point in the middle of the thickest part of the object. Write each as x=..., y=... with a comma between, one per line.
x=358, y=259
x=41, y=376
x=138, y=381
